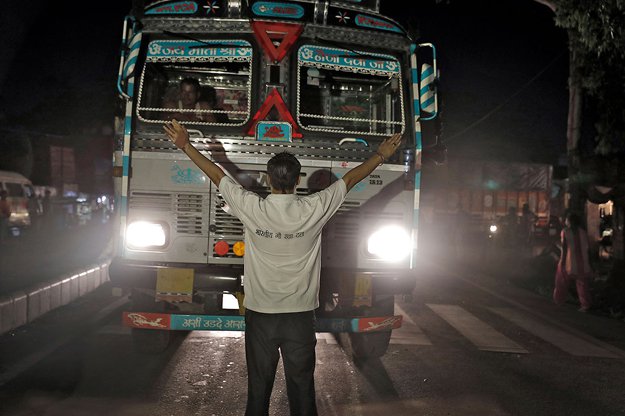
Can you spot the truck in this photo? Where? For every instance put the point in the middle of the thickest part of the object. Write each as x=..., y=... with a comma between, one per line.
x=486, y=191
x=324, y=80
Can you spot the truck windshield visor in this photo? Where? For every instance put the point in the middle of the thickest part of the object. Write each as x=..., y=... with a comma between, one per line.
x=343, y=91
x=196, y=83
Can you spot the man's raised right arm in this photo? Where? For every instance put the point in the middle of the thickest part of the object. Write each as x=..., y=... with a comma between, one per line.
x=386, y=149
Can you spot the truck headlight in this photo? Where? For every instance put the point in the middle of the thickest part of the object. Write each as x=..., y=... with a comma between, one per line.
x=145, y=234
x=391, y=243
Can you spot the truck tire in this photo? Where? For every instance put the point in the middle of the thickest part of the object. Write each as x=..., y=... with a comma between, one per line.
x=374, y=344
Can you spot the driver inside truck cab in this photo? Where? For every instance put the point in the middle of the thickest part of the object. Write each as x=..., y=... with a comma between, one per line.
x=193, y=97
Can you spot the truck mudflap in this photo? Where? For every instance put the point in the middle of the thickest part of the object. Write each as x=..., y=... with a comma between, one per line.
x=179, y=322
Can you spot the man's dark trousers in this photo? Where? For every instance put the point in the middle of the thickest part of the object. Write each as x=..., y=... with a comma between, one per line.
x=268, y=335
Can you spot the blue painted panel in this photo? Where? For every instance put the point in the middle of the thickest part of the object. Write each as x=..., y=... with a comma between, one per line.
x=371, y=22
x=284, y=10
x=207, y=322
x=337, y=57
x=191, y=49
x=274, y=131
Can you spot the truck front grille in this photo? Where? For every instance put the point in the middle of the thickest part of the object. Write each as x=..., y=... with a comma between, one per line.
x=225, y=225
x=189, y=209
x=349, y=220
x=151, y=142
x=150, y=201
x=189, y=213
x=346, y=223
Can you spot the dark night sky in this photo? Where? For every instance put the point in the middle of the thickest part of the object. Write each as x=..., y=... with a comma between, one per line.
x=489, y=51
x=66, y=48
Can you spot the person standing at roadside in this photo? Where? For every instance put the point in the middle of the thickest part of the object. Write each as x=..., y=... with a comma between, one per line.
x=526, y=225
x=46, y=211
x=574, y=263
x=510, y=226
x=34, y=211
x=282, y=268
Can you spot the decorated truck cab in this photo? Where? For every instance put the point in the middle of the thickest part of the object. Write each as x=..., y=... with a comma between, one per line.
x=324, y=80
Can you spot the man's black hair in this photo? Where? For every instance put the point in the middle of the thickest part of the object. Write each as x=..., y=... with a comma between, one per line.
x=283, y=170
x=191, y=81
x=207, y=93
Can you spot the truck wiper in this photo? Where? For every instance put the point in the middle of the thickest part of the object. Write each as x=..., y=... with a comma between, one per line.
x=202, y=44
x=354, y=52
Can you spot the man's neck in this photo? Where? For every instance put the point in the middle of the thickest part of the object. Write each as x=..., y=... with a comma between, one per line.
x=187, y=106
x=275, y=191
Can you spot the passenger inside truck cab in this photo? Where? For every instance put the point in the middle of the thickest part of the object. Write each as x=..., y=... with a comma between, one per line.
x=191, y=96
x=204, y=93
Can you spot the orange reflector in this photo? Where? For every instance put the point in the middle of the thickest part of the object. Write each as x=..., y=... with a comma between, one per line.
x=239, y=248
x=221, y=248
x=118, y=171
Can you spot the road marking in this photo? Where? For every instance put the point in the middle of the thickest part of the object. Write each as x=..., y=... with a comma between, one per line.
x=554, y=335
x=409, y=333
x=328, y=337
x=482, y=335
x=544, y=317
x=196, y=336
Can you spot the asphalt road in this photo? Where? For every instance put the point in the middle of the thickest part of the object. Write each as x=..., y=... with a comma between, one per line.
x=470, y=345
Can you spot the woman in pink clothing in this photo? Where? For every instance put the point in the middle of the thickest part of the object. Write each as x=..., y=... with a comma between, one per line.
x=573, y=264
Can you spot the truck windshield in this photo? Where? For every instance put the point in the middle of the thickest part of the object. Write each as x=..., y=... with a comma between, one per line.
x=195, y=83
x=342, y=92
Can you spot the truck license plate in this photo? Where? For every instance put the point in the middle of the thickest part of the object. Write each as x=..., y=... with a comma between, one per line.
x=362, y=290
x=174, y=285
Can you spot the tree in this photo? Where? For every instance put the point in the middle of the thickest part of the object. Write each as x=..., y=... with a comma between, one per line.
x=597, y=37
x=596, y=31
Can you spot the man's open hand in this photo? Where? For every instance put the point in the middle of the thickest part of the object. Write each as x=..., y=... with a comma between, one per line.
x=389, y=146
x=177, y=133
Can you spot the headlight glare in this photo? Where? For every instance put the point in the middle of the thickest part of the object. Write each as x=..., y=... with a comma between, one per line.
x=144, y=234
x=391, y=243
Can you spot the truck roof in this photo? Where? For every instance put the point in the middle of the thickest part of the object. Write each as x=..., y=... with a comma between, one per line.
x=361, y=15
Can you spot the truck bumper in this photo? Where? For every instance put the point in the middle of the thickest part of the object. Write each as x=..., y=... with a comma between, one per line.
x=177, y=322
x=132, y=274
x=388, y=282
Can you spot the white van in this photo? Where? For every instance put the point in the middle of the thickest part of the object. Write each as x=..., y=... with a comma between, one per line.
x=20, y=190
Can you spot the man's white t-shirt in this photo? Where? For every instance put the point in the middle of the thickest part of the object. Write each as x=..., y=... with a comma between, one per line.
x=282, y=244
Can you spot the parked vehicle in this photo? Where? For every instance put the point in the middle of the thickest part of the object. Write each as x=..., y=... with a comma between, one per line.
x=492, y=193
x=20, y=191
